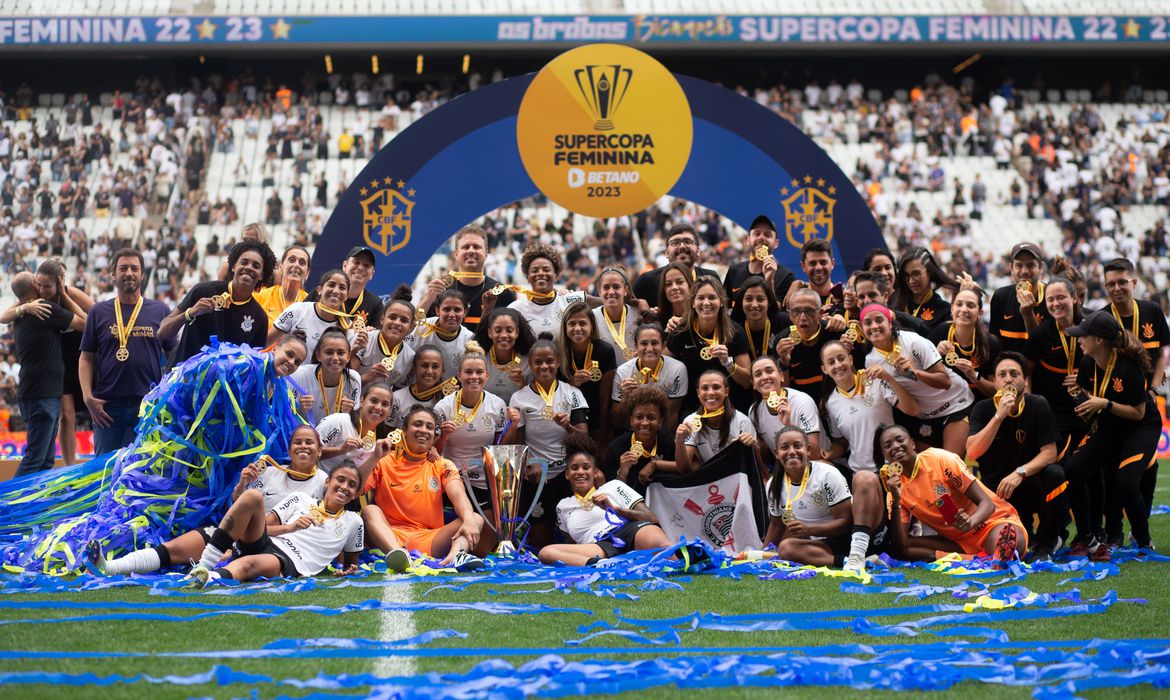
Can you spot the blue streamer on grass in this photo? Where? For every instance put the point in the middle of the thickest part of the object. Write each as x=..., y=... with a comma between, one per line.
x=165, y=482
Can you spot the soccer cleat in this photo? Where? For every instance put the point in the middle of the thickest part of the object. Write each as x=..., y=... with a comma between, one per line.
x=201, y=576
x=95, y=557
x=465, y=561
x=1005, y=544
x=1102, y=553
x=398, y=560
x=1081, y=547
x=854, y=564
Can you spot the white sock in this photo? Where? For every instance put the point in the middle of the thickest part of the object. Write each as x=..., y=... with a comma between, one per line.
x=859, y=544
x=141, y=562
x=211, y=556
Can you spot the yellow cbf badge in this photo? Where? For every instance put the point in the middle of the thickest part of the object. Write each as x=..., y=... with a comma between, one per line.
x=604, y=130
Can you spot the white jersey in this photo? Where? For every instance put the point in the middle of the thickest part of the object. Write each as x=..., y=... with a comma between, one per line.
x=464, y=447
x=932, y=403
x=303, y=315
x=544, y=318
x=335, y=430
x=451, y=350
x=803, y=414
x=276, y=485
x=672, y=378
x=587, y=526
x=607, y=336
x=546, y=439
x=706, y=441
x=326, y=404
x=848, y=418
x=403, y=400
x=372, y=354
x=826, y=488
x=313, y=548
x=500, y=383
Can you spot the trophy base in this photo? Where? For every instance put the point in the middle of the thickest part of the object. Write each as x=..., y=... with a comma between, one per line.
x=506, y=549
x=603, y=125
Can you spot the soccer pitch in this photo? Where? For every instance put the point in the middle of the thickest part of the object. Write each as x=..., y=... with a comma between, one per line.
x=800, y=633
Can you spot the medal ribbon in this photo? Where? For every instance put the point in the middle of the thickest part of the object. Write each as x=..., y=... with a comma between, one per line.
x=858, y=386
x=918, y=309
x=788, y=499
x=1133, y=324
x=320, y=514
x=1019, y=404
x=712, y=414
x=588, y=359
x=507, y=365
x=342, y=385
x=124, y=331
x=1099, y=390
x=428, y=394
x=385, y=347
x=618, y=335
x=764, y=344
x=549, y=395
x=459, y=406
x=532, y=295
x=587, y=498
x=1069, y=345
x=957, y=346
x=648, y=375
x=713, y=340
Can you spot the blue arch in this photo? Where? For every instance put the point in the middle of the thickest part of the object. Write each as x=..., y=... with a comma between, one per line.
x=462, y=160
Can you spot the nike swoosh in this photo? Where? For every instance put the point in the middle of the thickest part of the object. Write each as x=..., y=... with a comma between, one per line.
x=1008, y=317
x=394, y=486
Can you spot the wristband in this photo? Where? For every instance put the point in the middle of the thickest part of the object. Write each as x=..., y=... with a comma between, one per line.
x=187, y=315
x=20, y=311
x=1109, y=406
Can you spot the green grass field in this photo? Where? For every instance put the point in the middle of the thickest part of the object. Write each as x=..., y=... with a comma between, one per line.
x=525, y=637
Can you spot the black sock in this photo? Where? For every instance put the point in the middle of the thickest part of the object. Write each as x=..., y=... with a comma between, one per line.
x=224, y=573
x=164, y=556
x=221, y=540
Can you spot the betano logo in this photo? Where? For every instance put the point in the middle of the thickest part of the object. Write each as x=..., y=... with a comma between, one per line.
x=386, y=214
x=603, y=88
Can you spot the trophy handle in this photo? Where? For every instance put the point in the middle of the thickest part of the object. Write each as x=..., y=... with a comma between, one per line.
x=475, y=501
x=539, y=490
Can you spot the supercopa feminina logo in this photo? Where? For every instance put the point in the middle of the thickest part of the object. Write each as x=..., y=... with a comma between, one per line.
x=604, y=88
x=386, y=214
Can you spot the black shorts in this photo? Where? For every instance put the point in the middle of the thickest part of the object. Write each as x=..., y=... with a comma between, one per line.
x=880, y=542
x=624, y=535
x=930, y=430
x=264, y=545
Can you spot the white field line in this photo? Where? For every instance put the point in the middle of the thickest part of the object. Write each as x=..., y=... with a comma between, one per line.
x=396, y=625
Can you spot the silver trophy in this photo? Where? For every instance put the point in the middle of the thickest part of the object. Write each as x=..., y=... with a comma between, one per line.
x=503, y=469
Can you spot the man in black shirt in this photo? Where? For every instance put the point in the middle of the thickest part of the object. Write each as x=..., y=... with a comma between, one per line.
x=762, y=234
x=682, y=246
x=358, y=266
x=37, y=333
x=1013, y=437
x=800, y=353
x=469, y=251
x=226, y=310
x=1009, y=319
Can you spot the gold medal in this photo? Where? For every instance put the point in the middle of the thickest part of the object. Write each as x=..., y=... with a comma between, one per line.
x=637, y=449
x=705, y=352
x=420, y=315
x=787, y=516
x=895, y=469
x=774, y=400
x=221, y=301
x=595, y=373
x=629, y=353
x=696, y=423
x=395, y=436
x=895, y=353
x=1010, y=390
x=458, y=419
x=1023, y=286
x=951, y=358
x=498, y=290
x=794, y=333
x=122, y=355
x=388, y=363
x=449, y=280
x=369, y=440
x=761, y=253
x=1074, y=390
x=359, y=324
x=547, y=412
x=852, y=334
x=449, y=386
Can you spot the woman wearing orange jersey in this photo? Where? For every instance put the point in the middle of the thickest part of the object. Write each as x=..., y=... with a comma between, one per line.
x=935, y=488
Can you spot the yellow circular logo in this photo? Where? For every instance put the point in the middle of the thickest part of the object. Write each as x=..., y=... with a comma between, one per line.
x=604, y=130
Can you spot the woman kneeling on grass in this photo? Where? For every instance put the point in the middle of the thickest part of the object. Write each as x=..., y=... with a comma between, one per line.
x=935, y=488
x=301, y=536
x=603, y=521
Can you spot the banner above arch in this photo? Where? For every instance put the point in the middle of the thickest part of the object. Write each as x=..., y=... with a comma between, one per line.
x=603, y=130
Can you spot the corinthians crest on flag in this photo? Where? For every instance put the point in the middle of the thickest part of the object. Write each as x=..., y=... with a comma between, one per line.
x=386, y=214
x=808, y=210
x=603, y=88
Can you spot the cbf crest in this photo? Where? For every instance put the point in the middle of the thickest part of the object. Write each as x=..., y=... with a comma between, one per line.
x=808, y=210
x=386, y=214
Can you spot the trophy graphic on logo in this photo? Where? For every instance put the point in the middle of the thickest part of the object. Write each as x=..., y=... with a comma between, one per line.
x=603, y=88
x=503, y=469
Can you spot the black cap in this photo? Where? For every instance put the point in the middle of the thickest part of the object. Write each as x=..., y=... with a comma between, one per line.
x=1100, y=324
x=1026, y=247
x=762, y=221
x=358, y=250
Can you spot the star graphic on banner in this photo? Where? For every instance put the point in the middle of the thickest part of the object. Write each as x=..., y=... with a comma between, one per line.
x=206, y=29
x=410, y=192
x=795, y=182
x=808, y=179
x=832, y=189
x=401, y=184
x=1133, y=30
x=373, y=184
x=820, y=182
x=783, y=190
x=364, y=191
x=389, y=181
x=280, y=29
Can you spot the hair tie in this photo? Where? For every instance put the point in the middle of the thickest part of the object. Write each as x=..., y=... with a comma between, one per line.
x=878, y=308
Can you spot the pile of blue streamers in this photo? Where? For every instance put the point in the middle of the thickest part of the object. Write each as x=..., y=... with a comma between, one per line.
x=198, y=428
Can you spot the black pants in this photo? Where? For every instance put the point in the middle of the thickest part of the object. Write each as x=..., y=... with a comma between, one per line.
x=1042, y=495
x=1122, y=457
